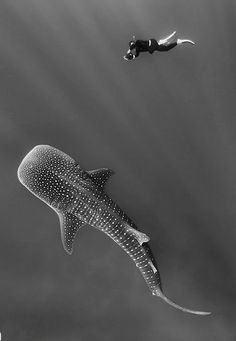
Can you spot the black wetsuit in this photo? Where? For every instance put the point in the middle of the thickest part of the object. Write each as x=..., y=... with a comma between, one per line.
x=150, y=46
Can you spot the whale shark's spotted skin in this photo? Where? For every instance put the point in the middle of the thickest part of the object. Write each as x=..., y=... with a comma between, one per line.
x=78, y=197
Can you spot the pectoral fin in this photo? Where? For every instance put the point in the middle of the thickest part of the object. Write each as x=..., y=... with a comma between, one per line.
x=69, y=226
x=141, y=237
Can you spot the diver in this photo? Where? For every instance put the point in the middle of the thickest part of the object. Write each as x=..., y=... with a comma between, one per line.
x=151, y=45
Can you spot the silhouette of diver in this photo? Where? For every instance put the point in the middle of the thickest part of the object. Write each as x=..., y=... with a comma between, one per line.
x=152, y=45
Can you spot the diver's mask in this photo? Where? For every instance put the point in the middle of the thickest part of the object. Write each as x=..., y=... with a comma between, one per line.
x=129, y=56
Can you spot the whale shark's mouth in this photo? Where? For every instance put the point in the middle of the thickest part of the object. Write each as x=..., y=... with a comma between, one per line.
x=26, y=169
x=29, y=165
x=32, y=173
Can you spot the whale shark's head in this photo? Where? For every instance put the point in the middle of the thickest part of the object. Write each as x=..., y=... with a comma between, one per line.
x=41, y=170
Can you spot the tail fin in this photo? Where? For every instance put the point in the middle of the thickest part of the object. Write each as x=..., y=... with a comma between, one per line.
x=186, y=310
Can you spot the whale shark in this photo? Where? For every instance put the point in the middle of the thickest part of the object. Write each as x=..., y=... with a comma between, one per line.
x=79, y=198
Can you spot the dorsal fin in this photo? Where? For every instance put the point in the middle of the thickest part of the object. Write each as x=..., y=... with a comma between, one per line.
x=69, y=226
x=100, y=176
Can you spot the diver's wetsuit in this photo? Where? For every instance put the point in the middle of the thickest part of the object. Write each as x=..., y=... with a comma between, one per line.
x=150, y=46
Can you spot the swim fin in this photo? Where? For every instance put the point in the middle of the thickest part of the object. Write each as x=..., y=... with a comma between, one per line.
x=168, y=40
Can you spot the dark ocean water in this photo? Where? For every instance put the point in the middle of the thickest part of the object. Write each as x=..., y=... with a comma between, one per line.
x=165, y=123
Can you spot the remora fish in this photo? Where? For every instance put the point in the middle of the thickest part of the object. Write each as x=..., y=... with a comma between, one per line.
x=79, y=198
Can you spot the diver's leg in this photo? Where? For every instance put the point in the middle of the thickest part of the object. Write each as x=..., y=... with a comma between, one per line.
x=163, y=48
x=154, y=45
x=168, y=47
